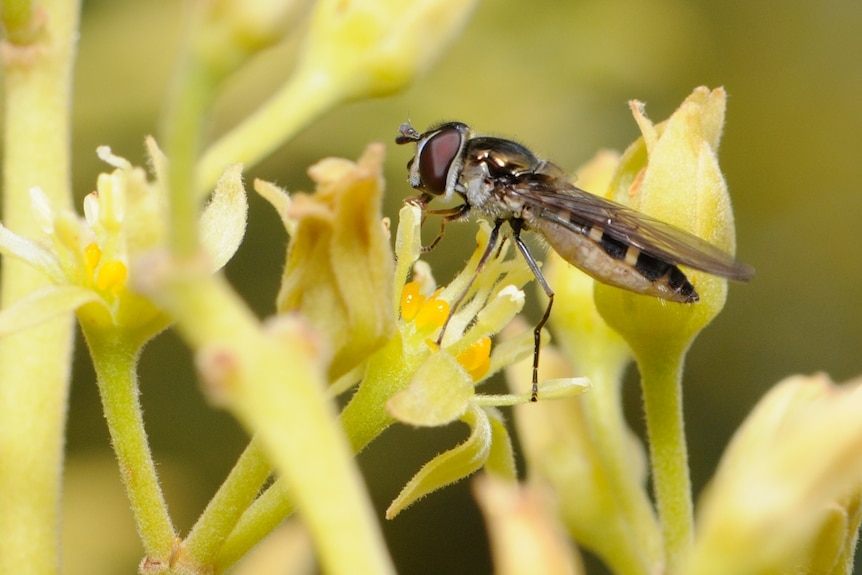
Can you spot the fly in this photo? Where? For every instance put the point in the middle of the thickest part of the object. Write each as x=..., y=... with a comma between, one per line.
x=503, y=181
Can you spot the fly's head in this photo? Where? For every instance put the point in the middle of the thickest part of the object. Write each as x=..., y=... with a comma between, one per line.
x=439, y=160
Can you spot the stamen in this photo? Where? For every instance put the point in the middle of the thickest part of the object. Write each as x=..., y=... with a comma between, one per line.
x=105, y=154
x=112, y=276
x=476, y=359
x=432, y=312
x=411, y=300
x=92, y=255
x=92, y=208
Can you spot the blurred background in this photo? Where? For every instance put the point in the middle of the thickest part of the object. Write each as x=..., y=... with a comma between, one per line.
x=555, y=76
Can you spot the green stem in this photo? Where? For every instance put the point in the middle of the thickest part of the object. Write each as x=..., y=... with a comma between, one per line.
x=272, y=382
x=183, y=140
x=365, y=416
x=305, y=97
x=258, y=521
x=115, y=361
x=363, y=419
x=662, y=391
x=609, y=431
x=233, y=498
x=34, y=364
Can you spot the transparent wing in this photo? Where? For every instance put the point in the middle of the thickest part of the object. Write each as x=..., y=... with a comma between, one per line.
x=553, y=199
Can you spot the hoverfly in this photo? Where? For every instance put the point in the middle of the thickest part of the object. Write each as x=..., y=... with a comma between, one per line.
x=503, y=181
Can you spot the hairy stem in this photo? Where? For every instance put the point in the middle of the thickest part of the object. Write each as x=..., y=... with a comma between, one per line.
x=662, y=391
x=115, y=362
x=34, y=364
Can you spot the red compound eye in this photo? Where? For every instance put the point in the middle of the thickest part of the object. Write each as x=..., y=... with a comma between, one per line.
x=436, y=157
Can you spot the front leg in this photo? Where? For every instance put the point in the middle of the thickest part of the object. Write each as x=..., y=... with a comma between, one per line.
x=449, y=215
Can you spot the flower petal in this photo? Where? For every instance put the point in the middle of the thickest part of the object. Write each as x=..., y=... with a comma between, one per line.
x=501, y=457
x=43, y=305
x=28, y=251
x=339, y=265
x=278, y=199
x=223, y=221
x=408, y=243
x=450, y=466
x=438, y=393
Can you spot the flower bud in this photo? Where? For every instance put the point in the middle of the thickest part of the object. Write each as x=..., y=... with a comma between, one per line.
x=671, y=173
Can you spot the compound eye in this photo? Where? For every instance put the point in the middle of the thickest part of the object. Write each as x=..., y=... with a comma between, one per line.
x=436, y=157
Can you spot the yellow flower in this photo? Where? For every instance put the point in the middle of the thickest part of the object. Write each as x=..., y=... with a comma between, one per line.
x=374, y=48
x=388, y=334
x=339, y=267
x=672, y=173
x=89, y=259
x=786, y=496
x=442, y=389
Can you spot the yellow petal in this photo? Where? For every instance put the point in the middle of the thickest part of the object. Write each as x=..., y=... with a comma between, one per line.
x=43, y=305
x=450, y=466
x=339, y=264
x=501, y=457
x=223, y=221
x=438, y=393
x=30, y=252
x=279, y=200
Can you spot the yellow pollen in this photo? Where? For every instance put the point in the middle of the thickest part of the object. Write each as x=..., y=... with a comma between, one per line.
x=112, y=276
x=92, y=255
x=411, y=300
x=476, y=359
x=432, y=312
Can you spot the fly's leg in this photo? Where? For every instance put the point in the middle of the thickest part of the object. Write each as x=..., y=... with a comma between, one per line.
x=492, y=240
x=449, y=215
x=517, y=225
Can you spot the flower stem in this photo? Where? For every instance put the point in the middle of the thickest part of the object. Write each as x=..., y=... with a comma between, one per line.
x=229, y=504
x=365, y=416
x=607, y=423
x=34, y=364
x=305, y=97
x=272, y=382
x=363, y=419
x=258, y=521
x=662, y=391
x=190, y=105
x=115, y=360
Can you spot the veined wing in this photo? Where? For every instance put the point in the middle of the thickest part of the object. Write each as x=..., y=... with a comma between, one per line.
x=555, y=200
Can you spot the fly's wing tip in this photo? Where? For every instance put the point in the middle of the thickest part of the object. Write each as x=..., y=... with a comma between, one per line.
x=742, y=272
